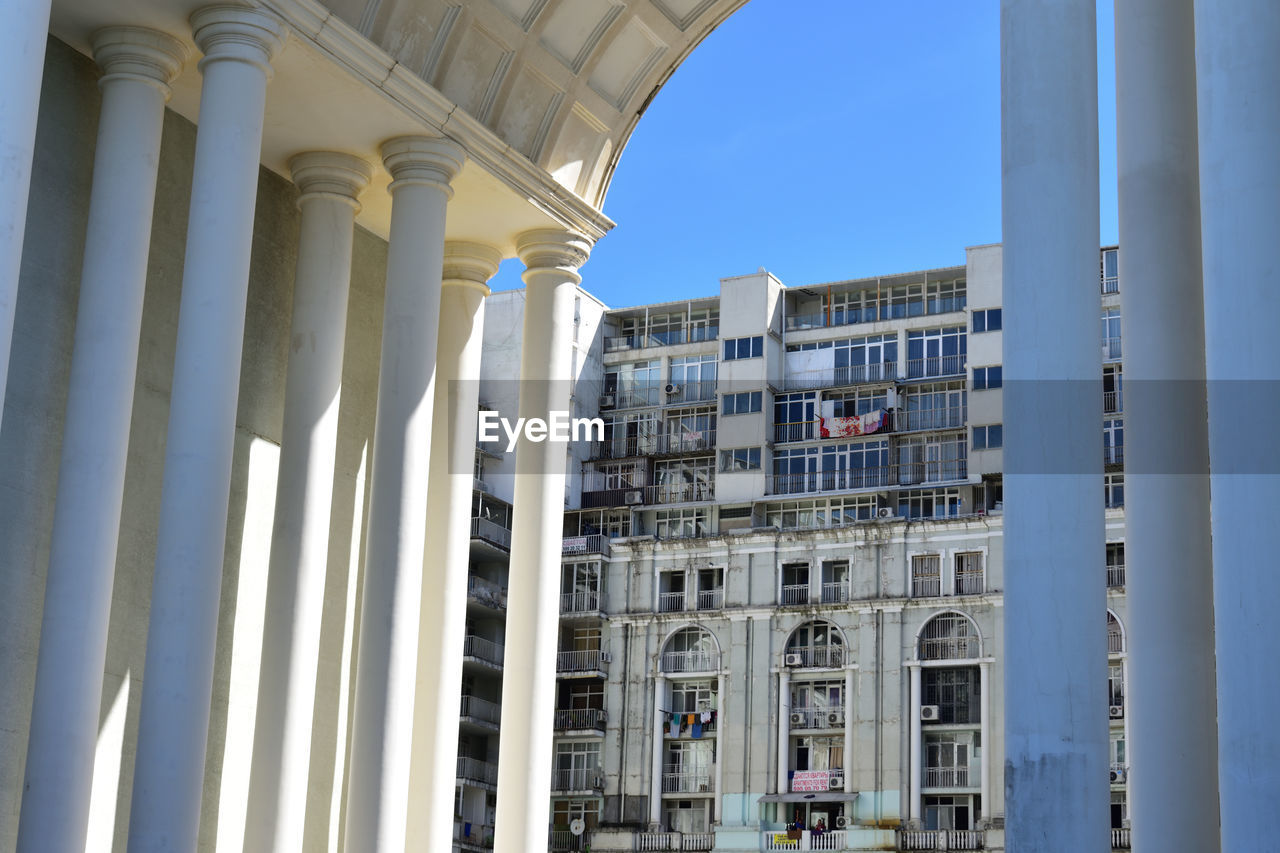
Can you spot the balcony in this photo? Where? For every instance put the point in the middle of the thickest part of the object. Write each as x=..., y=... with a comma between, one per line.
x=1111, y=402
x=820, y=717
x=1121, y=839
x=676, y=780
x=1115, y=575
x=795, y=593
x=946, y=777
x=580, y=720
x=970, y=582
x=592, y=543
x=577, y=779
x=480, y=711
x=695, y=334
x=711, y=599
x=1110, y=349
x=674, y=841
x=926, y=586
x=835, y=592
x=671, y=602
x=664, y=444
x=564, y=841
x=583, y=662
x=795, y=431
x=633, y=397
x=941, y=839
x=476, y=771
x=840, y=377
x=881, y=477
x=693, y=661
x=580, y=602
x=1113, y=454
x=471, y=834
x=482, y=650
x=916, y=420
x=935, y=366
x=689, y=392
x=486, y=593
x=820, y=657
x=492, y=532
x=806, y=839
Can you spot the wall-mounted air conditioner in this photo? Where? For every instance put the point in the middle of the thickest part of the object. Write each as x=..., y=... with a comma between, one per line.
x=793, y=659
x=1115, y=712
x=797, y=718
x=843, y=821
x=607, y=401
x=833, y=718
x=835, y=782
x=1117, y=775
x=929, y=713
x=672, y=388
x=884, y=512
x=635, y=496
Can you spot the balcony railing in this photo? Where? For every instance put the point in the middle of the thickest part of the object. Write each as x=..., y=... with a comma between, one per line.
x=580, y=719
x=882, y=477
x=676, y=780
x=835, y=592
x=936, y=365
x=823, y=717
x=491, y=532
x=838, y=377
x=482, y=649
x=583, y=660
x=474, y=834
x=795, y=593
x=663, y=444
x=711, y=599
x=1111, y=402
x=1115, y=574
x=580, y=602
x=592, y=543
x=970, y=582
x=486, y=592
x=674, y=841
x=795, y=431
x=1113, y=454
x=694, y=334
x=577, y=779
x=1121, y=839
x=912, y=420
x=475, y=770
x=694, y=661
x=671, y=602
x=1110, y=349
x=481, y=709
x=946, y=777
x=631, y=397
x=691, y=392
x=941, y=839
x=926, y=586
x=678, y=493
x=562, y=841
x=818, y=656
x=832, y=839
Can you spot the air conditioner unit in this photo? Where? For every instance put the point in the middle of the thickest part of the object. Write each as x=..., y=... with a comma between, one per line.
x=929, y=712
x=605, y=657
x=793, y=659
x=635, y=496
x=835, y=781
x=672, y=388
x=607, y=401
x=797, y=718
x=833, y=718
x=884, y=512
x=1115, y=712
x=599, y=781
x=1117, y=776
x=843, y=821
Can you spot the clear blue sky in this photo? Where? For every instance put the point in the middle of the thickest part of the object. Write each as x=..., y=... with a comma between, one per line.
x=822, y=140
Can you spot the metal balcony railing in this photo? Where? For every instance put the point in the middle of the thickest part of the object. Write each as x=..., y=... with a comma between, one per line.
x=676, y=780
x=1115, y=574
x=711, y=599
x=482, y=649
x=486, y=592
x=948, y=648
x=564, y=841
x=795, y=593
x=694, y=661
x=913, y=420
x=580, y=719
x=1110, y=349
x=475, y=770
x=882, y=477
x=491, y=532
x=970, y=582
x=662, y=444
x=580, y=602
x=577, y=779
x=838, y=377
x=936, y=365
x=481, y=709
x=835, y=592
x=946, y=777
x=678, y=493
x=926, y=586
x=694, y=334
x=817, y=717
x=583, y=660
x=690, y=392
x=818, y=656
x=1113, y=454
x=671, y=602
x=1112, y=402
x=795, y=431
x=592, y=543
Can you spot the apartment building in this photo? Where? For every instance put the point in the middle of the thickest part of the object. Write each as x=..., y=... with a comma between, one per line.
x=781, y=590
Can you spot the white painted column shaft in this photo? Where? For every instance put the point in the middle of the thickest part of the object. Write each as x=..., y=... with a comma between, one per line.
x=784, y=727
x=659, y=747
x=984, y=711
x=1168, y=556
x=533, y=617
x=438, y=696
x=1055, y=653
x=717, y=801
x=138, y=66
x=916, y=751
x=238, y=44
x=24, y=29
x=849, y=707
x=329, y=183
x=386, y=673
x=1238, y=71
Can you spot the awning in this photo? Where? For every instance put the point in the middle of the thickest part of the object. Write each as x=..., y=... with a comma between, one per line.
x=810, y=797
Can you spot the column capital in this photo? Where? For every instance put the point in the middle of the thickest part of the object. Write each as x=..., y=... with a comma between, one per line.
x=330, y=174
x=424, y=160
x=554, y=249
x=239, y=34
x=136, y=53
x=470, y=265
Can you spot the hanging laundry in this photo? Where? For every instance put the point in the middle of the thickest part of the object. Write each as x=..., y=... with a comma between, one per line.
x=697, y=729
x=872, y=421
x=675, y=725
x=690, y=719
x=706, y=717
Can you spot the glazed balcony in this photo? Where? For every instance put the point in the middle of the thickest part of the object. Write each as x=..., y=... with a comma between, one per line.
x=841, y=377
x=881, y=477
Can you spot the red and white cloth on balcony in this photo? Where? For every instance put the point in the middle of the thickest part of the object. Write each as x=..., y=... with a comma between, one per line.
x=872, y=421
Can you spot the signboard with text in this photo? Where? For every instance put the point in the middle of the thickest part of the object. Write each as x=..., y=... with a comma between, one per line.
x=810, y=780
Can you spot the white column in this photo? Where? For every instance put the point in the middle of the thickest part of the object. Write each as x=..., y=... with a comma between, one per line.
x=718, y=800
x=24, y=29
x=1168, y=556
x=139, y=65
x=386, y=672
x=1055, y=676
x=433, y=769
x=915, y=803
x=551, y=259
x=849, y=706
x=1238, y=71
x=238, y=44
x=659, y=746
x=329, y=183
x=784, y=727
x=984, y=711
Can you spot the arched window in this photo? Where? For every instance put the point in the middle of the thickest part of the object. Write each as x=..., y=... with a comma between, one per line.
x=691, y=649
x=817, y=643
x=949, y=636
x=1115, y=634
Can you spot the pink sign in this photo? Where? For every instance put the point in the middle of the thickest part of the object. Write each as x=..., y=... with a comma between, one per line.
x=810, y=780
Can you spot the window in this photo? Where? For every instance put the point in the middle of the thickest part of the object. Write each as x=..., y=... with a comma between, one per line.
x=795, y=583
x=1115, y=686
x=634, y=384
x=1115, y=635
x=1115, y=564
x=936, y=352
x=956, y=692
x=565, y=812
x=691, y=697
x=926, y=575
x=695, y=377
x=969, y=580
x=949, y=636
x=946, y=759
x=929, y=503
x=1113, y=490
x=688, y=523
x=1111, y=334
x=740, y=459
x=688, y=816
x=985, y=378
x=577, y=766
x=1112, y=387
x=681, y=480
x=738, y=348
x=948, y=812
x=987, y=321
x=798, y=515
x=1113, y=441
x=988, y=437
x=688, y=767
x=1110, y=270
x=818, y=643
x=793, y=416
x=691, y=650
x=743, y=403
x=819, y=753
x=580, y=587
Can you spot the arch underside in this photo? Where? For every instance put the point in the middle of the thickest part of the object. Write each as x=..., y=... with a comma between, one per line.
x=563, y=82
